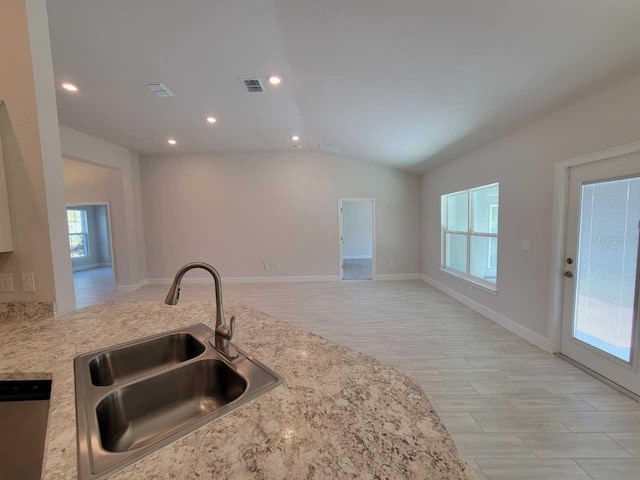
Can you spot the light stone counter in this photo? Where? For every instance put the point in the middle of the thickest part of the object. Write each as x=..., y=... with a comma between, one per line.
x=338, y=414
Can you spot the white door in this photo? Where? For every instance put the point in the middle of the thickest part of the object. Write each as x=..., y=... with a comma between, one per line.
x=357, y=242
x=600, y=311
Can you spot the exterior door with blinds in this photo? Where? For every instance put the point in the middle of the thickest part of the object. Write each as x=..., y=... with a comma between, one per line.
x=600, y=311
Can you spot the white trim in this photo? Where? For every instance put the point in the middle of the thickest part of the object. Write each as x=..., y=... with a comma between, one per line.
x=133, y=286
x=471, y=280
x=227, y=280
x=373, y=234
x=357, y=257
x=398, y=276
x=90, y=266
x=514, y=327
x=559, y=231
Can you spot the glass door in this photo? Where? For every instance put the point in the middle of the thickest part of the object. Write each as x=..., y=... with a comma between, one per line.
x=600, y=315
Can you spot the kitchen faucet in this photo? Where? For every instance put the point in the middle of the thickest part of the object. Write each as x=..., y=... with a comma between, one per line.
x=223, y=332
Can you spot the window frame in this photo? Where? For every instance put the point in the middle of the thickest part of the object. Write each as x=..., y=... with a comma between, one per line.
x=84, y=233
x=494, y=212
x=469, y=233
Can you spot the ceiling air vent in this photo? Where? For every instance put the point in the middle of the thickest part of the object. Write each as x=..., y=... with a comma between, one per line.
x=327, y=147
x=159, y=89
x=252, y=85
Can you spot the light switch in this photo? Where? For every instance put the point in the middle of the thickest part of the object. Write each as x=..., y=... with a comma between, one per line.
x=6, y=282
x=526, y=245
x=28, y=282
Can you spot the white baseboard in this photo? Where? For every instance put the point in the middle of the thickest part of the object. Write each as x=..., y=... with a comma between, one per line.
x=89, y=266
x=514, y=327
x=398, y=276
x=357, y=257
x=283, y=279
x=132, y=287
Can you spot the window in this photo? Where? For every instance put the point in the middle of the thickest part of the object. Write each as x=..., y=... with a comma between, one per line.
x=78, y=233
x=470, y=234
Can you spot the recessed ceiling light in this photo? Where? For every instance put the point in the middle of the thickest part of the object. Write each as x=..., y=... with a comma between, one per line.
x=211, y=119
x=70, y=86
x=172, y=141
x=295, y=138
x=274, y=80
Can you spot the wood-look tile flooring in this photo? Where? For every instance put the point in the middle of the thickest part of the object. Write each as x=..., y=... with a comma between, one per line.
x=92, y=286
x=514, y=411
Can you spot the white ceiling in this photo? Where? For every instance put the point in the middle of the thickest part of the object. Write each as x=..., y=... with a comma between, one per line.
x=409, y=84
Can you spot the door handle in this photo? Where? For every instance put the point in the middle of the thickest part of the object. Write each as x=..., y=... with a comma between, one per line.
x=568, y=274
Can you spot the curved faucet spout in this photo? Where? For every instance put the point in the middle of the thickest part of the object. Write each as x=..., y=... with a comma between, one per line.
x=174, y=291
x=224, y=333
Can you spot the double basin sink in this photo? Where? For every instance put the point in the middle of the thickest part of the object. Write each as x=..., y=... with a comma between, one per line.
x=137, y=397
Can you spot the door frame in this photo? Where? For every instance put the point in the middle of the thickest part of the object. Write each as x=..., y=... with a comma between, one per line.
x=373, y=233
x=111, y=252
x=559, y=233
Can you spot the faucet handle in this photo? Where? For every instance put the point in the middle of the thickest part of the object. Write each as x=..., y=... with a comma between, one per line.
x=226, y=331
x=232, y=327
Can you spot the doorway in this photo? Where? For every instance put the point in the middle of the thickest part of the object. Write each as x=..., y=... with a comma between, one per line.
x=357, y=240
x=91, y=252
x=601, y=275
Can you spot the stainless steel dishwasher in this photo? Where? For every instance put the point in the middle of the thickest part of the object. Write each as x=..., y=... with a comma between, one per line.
x=24, y=408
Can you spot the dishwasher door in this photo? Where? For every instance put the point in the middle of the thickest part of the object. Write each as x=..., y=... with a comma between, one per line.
x=24, y=408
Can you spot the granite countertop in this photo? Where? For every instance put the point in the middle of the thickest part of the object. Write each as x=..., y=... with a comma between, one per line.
x=338, y=414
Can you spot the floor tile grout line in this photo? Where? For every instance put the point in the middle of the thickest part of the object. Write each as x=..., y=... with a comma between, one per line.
x=621, y=446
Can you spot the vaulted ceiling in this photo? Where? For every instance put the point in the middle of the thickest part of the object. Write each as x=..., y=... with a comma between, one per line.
x=405, y=83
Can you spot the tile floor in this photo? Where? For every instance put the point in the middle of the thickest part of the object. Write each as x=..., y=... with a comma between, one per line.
x=91, y=286
x=515, y=411
x=357, y=269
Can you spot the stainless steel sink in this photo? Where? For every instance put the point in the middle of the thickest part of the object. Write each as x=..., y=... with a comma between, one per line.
x=120, y=364
x=138, y=414
x=135, y=398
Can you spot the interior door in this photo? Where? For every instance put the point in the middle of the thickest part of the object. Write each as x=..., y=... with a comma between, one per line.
x=600, y=311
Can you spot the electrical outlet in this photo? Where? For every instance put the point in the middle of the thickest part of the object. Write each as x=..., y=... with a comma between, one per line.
x=526, y=245
x=28, y=282
x=6, y=282
x=278, y=267
x=391, y=263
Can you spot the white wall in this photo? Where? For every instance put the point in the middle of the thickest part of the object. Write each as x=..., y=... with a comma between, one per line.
x=44, y=84
x=86, y=183
x=128, y=231
x=523, y=163
x=31, y=150
x=235, y=211
x=6, y=238
x=357, y=229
